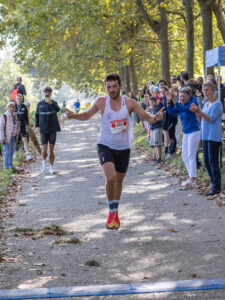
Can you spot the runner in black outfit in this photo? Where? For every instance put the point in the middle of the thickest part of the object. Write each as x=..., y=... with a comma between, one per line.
x=46, y=119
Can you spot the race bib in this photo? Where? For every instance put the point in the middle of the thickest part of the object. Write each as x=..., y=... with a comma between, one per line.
x=118, y=126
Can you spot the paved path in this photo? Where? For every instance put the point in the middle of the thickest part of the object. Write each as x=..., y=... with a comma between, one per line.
x=166, y=234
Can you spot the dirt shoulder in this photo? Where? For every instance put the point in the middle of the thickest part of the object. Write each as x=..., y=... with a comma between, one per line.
x=166, y=234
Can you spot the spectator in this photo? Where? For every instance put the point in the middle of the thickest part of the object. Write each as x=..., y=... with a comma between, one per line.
x=165, y=124
x=8, y=132
x=22, y=116
x=170, y=126
x=211, y=135
x=222, y=91
x=173, y=79
x=161, y=83
x=145, y=105
x=133, y=115
x=77, y=106
x=156, y=130
x=180, y=81
x=191, y=131
x=20, y=88
x=156, y=94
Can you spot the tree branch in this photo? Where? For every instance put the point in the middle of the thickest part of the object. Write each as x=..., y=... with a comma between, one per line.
x=155, y=27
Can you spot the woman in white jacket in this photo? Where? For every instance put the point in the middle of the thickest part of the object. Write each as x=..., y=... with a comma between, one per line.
x=8, y=132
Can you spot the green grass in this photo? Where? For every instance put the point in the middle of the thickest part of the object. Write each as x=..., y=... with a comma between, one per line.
x=141, y=142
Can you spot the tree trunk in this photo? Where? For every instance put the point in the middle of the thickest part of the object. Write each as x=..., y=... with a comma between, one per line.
x=189, y=36
x=133, y=76
x=161, y=30
x=164, y=42
x=206, y=12
x=125, y=79
x=217, y=9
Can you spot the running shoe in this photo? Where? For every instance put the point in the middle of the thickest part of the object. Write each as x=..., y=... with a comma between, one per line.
x=110, y=220
x=117, y=221
x=51, y=170
x=43, y=166
x=28, y=156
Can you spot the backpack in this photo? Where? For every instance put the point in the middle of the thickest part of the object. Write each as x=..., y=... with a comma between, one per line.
x=14, y=92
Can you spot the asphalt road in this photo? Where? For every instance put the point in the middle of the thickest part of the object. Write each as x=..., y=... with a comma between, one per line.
x=166, y=234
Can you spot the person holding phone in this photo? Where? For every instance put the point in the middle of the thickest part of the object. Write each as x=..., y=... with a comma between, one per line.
x=47, y=121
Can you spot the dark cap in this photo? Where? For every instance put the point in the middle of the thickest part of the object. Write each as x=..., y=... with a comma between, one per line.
x=48, y=89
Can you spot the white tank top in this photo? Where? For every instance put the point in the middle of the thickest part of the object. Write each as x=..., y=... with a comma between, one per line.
x=116, y=130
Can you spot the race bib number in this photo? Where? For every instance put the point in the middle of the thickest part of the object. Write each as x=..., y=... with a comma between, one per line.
x=118, y=126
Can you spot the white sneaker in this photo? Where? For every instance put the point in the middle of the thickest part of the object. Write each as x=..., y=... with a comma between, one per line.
x=188, y=184
x=14, y=155
x=43, y=166
x=168, y=156
x=28, y=156
x=183, y=183
x=51, y=170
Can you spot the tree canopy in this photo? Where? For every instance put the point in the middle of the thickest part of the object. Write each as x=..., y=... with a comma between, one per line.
x=79, y=42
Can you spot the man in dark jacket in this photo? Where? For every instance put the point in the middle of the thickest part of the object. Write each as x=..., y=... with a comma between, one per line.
x=22, y=117
x=46, y=119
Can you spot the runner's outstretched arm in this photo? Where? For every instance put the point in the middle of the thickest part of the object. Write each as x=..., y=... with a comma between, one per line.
x=146, y=116
x=82, y=116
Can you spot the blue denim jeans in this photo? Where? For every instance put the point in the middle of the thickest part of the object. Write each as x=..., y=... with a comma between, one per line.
x=8, y=150
x=211, y=159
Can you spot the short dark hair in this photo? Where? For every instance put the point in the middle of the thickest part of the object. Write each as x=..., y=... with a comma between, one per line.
x=162, y=80
x=48, y=89
x=112, y=77
x=152, y=99
x=184, y=75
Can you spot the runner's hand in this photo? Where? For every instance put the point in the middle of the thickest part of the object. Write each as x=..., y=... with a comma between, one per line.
x=69, y=113
x=2, y=142
x=159, y=114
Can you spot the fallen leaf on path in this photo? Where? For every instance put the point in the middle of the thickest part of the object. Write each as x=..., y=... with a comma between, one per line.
x=173, y=230
x=92, y=263
x=54, y=230
x=193, y=275
x=67, y=241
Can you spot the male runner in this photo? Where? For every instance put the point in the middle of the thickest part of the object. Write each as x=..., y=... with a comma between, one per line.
x=46, y=119
x=115, y=139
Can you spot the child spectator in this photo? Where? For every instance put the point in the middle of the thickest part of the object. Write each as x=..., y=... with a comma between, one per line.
x=8, y=132
x=156, y=131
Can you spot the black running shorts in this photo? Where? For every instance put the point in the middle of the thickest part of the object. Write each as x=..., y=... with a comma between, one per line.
x=48, y=138
x=23, y=131
x=120, y=158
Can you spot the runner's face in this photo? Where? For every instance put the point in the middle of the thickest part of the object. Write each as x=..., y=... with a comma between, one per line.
x=113, y=89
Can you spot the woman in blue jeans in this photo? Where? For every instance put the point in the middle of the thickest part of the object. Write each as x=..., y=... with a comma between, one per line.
x=211, y=135
x=8, y=132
